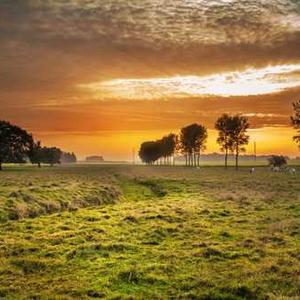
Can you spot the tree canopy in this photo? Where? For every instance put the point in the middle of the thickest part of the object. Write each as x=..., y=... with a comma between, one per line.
x=192, y=141
x=18, y=146
x=277, y=161
x=152, y=151
x=223, y=125
x=232, y=135
x=295, y=119
x=15, y=143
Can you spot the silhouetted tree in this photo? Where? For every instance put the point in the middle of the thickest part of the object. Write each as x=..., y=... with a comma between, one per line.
x=296, y=121
x=51, y=155
x=277, y=161
x=150, y=152
x=36, y=153
x=160, y=150
x=200, y=143
x=15, y=143
x=223, y=125
x=238, y=136
x=192, y=141
x=167, y=147
x=67, y=157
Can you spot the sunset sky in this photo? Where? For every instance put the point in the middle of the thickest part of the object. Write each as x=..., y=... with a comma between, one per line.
x=101, y=76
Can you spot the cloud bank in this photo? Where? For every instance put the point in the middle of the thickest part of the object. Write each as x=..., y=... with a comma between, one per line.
x=174, y=48
x=250, y=82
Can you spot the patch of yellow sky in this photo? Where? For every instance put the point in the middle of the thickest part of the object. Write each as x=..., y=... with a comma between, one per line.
x=251, y=81
x=119, y=145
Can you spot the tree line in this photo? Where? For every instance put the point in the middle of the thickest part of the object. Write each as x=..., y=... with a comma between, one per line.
x=160, y=151
x=19, y=146
x=295, y=120
x=192, y=139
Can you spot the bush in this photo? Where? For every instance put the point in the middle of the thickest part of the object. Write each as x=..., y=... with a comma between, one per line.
x=277, y=161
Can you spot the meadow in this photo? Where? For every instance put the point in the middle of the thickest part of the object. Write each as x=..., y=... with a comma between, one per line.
x=139, y=232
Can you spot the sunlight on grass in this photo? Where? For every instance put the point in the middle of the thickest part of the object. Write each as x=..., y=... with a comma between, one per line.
x=167, y=233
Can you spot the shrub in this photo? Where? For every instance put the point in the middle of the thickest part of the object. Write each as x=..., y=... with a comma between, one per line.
x=277, y=161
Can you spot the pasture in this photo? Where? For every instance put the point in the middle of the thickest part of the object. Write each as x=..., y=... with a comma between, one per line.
x=137, y=232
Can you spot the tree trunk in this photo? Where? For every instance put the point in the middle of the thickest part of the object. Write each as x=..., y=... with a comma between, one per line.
x=226, y=158
x=0, y=165
x=237, y=159
x=39, y=164
x=186, y=160
x=198, y=159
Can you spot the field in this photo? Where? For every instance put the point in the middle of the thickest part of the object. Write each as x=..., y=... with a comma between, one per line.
x=137, y=232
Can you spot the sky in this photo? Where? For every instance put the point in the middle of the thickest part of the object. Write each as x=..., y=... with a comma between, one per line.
x=99, y=77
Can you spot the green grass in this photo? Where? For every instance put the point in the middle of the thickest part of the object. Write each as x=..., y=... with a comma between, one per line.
x=135, y=232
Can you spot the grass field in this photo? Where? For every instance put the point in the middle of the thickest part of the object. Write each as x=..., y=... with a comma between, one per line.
x=137, y=232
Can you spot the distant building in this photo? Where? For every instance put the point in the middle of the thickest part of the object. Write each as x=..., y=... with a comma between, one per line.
x=94, y=159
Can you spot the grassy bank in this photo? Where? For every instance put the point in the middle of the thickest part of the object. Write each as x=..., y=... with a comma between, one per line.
x=135, y=232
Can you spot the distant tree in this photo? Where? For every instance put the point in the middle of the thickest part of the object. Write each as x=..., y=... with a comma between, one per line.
x=223, y=125
x=277, y=161
x=15, y=143
x=94, y=159
x=36, y=153
x=186, y=147
x=192, y=141
x=150, y=152
x=177, y=150
x=167, y=147
x=200, y=143
x=67, y=158
x=295, y=119
x=238, y=137
x=159, y=151
x=51, y=155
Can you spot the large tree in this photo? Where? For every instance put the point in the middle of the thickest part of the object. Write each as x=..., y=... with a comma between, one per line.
x=192, y=141
x=223, y=125
x=238, y=136
x=15, y=143
x=296, y=121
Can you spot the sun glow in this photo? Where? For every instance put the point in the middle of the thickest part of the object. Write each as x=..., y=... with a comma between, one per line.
x=252, y=81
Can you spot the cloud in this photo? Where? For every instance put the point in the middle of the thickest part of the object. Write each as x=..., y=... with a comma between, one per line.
x=157, y=22
x=272, y=79
x=49, y=47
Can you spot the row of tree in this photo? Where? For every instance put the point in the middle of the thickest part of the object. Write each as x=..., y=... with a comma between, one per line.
x=18, y=146
x=295, y=119
x=232, y=138
x=160, y=151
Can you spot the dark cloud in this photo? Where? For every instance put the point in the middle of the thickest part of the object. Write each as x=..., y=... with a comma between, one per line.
x=204, y=33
